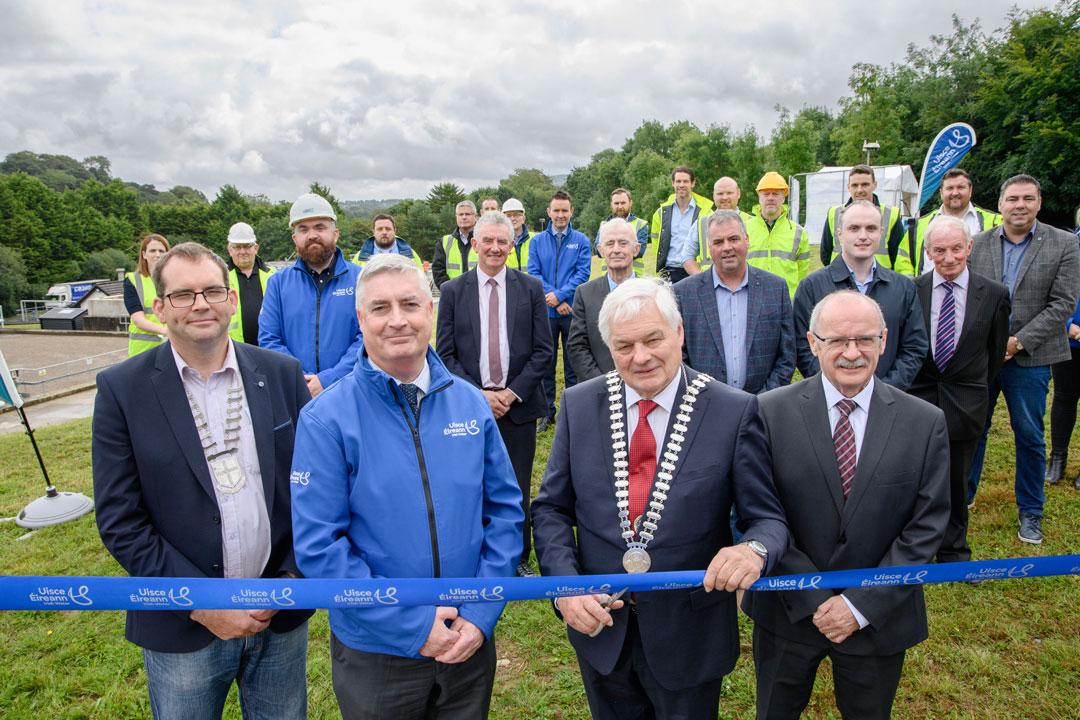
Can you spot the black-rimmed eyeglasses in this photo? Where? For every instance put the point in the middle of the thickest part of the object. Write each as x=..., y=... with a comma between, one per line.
x=186, y=298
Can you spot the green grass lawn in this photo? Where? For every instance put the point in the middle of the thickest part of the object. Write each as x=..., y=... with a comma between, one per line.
x=1006, y=649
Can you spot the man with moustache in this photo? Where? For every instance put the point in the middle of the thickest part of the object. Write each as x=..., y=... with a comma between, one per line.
x=857, y=268
x=737, y=324
x=695, y=450
x=452, y=251
x=862, y=471
x=726, y=195
x=308, y=309
x=617, y=243
x=1040, y=265
x=493, y=332
x=968, y=318
x=384, y=239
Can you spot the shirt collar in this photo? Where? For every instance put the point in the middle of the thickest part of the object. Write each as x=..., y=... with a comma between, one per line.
x=960, y=282
x=1030, y=234
x=187, y=371
x=665, y=398
x=421, y=381
x=612, y=284
x=718, y=283
x=499, y=277
x=873, y=270
x=833, y=396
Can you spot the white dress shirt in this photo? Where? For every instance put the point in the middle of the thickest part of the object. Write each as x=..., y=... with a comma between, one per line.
x=245, y=523
x=504, y=341
x=959, y=303
x=658, y=418
x=857, y=418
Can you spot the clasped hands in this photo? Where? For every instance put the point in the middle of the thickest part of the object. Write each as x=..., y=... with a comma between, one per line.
x=453, y=643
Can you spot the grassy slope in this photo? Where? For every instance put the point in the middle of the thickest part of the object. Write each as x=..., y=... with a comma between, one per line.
x=1005, y=649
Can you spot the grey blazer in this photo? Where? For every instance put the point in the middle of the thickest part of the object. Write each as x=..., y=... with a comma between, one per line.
x=586, y=351
x=1046, y=290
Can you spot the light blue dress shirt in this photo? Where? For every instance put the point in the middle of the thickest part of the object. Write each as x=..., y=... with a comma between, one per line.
x=731, y=305
x=1012, y=257
x=682, y=223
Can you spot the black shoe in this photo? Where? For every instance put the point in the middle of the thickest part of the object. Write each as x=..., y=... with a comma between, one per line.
x=525, y=570
x=1076, y=482
x=1055, y=469
x=544, y=424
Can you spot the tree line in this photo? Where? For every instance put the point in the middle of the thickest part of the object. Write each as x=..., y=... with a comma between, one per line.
x=1018, y=86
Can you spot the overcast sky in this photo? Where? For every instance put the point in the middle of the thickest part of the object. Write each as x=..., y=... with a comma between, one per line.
x=381, y=100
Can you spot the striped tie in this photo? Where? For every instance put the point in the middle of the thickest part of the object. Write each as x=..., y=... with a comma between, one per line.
x=945, y=342
x=844, y=440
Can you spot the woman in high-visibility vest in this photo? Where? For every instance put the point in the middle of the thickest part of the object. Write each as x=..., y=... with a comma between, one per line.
x=144, y=330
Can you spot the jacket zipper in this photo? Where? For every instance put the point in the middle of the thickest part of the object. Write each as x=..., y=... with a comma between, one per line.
x=415, y=430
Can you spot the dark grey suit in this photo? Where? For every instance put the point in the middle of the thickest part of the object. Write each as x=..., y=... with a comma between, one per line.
x=586, y=350
x=895, y=515
x=961, y=390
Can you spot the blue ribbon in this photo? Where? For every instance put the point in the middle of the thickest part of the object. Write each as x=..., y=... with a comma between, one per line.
x=32, y=592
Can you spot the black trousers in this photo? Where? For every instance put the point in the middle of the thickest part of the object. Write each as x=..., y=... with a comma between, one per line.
x=674, y=275
x=865, y=685
x=954, y=544
x=1066, y=395
x=631, y=691
x=372, y=686
x=520, y=441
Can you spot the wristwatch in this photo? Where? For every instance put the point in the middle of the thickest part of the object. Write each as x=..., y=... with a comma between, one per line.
x=759, y=549
x=1019, y=345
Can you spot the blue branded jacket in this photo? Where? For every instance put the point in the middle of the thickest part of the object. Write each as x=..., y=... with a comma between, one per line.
x=317, y=328
x=377, y=493
x=560, y=267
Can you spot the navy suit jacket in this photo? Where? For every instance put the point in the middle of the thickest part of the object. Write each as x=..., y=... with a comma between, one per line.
x=906, y=345
x=770, y=329
x=156, y=508
x=457, y=339
x=690, y=636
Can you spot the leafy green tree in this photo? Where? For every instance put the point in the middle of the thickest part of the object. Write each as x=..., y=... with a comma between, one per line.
x=444, y=195
x=13, y=284
x=422, y=229
x=104, y=263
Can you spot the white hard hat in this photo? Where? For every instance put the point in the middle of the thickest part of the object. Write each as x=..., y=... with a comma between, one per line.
x=308, y=206
x=513, y=205
x=241, y=234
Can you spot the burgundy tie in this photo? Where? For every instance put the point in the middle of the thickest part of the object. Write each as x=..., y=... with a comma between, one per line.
x=494, y=356
x=844, y=440
x=642, y=460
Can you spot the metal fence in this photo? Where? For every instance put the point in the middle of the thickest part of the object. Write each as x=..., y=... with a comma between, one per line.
x=30, y=310
x=34, y=382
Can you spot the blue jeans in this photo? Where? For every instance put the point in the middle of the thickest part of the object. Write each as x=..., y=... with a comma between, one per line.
x=1025, y=390
x=559, y=326
x=269, y=668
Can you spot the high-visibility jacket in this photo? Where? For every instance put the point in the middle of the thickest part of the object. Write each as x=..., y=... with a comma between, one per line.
x=454, y=256
x=899, y=260
x=367, y=250
x=701, y=229
x=641, y=227
x=987, y=220
x=656, y=257
x=236, y=324
x=138, y=339
x=519, y=254
x=783, y=249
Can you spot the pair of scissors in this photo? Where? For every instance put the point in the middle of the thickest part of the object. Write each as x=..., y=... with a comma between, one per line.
x=606, y=604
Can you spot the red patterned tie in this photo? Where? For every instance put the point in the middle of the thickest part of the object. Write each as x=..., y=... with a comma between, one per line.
x=642, y=460
x=844, y=440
